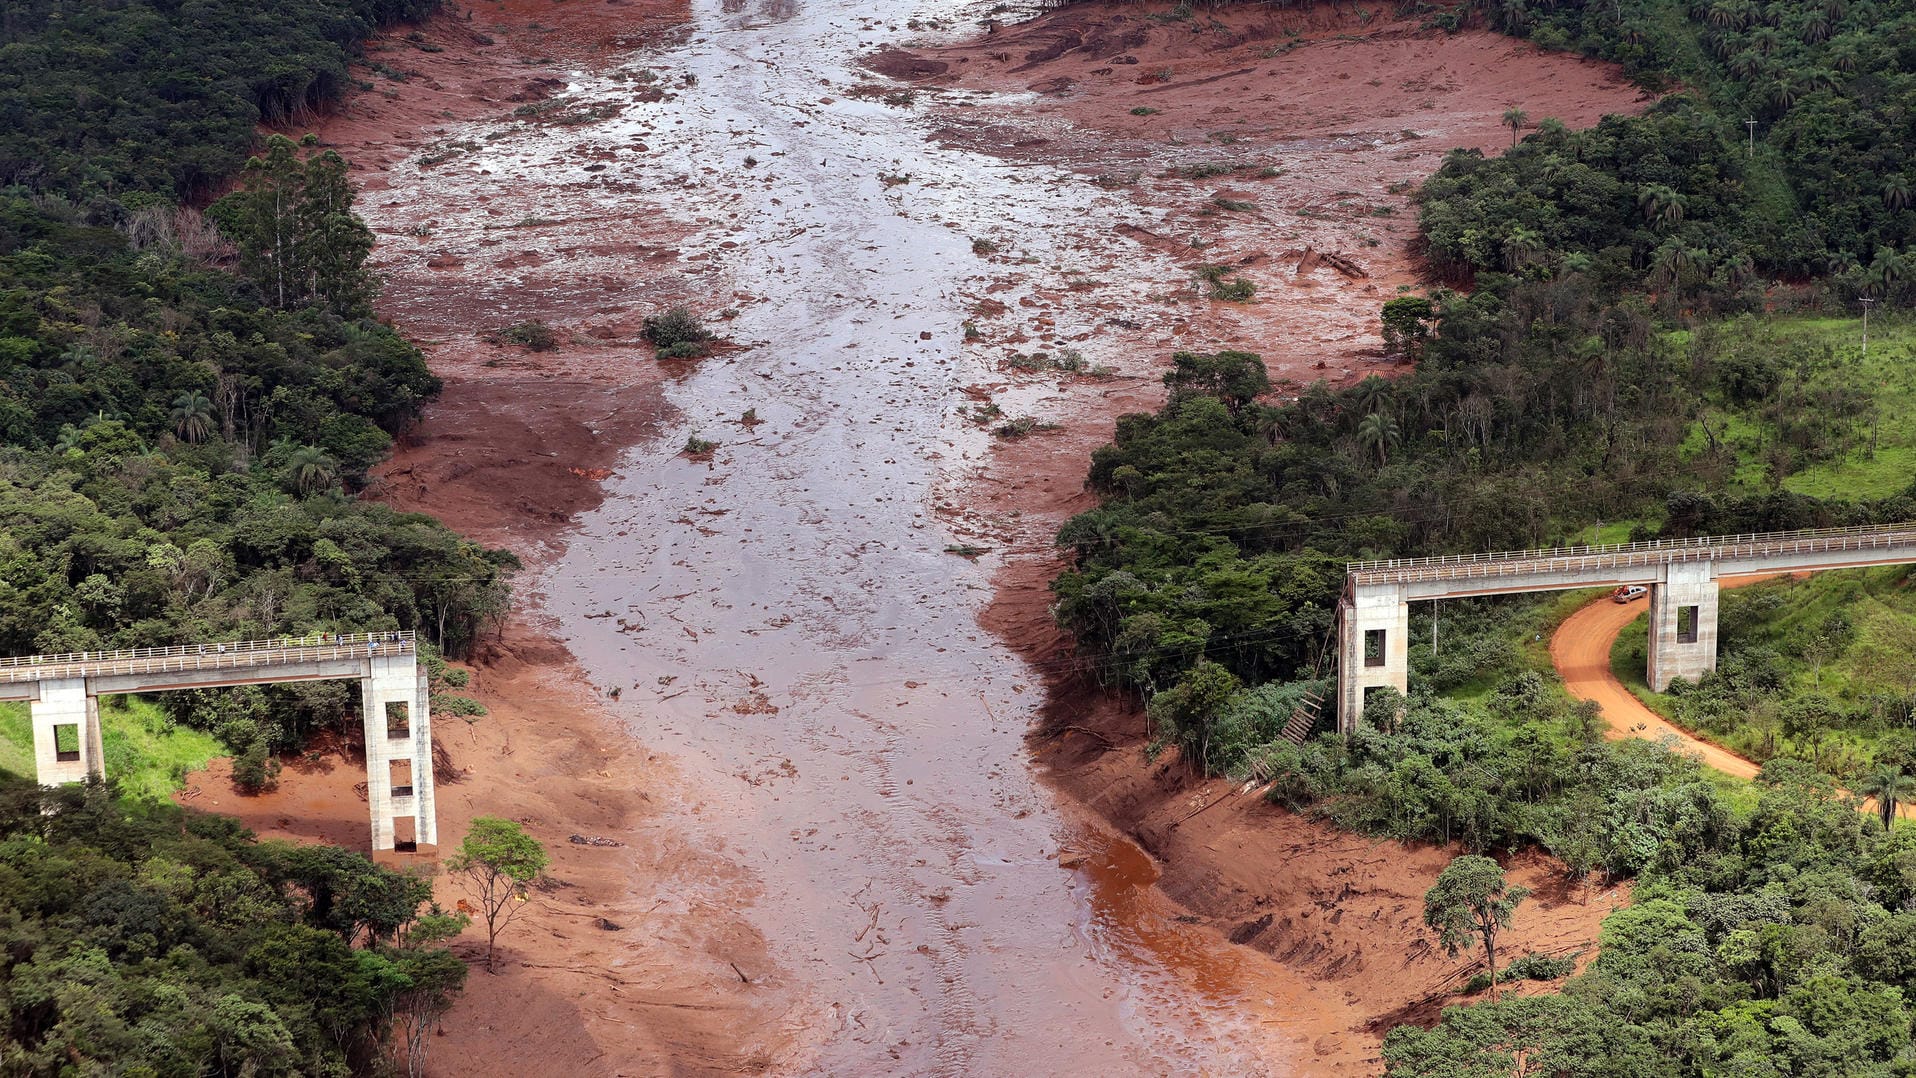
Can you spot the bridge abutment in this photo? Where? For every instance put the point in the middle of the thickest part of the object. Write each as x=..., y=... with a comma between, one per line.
x=66, y=732
x=1373, y=647
x=397, y=716
x=1683, y=607
x=63, y=694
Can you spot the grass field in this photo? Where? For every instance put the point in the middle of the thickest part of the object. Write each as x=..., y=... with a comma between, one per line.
x=145, y=753
x=1835, y=423
x=1841, y=645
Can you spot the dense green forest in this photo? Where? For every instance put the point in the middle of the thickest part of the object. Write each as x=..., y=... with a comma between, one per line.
x=190, y=395
x=1821, y=184
x=148, y=97
x=139, y=939
x=1637, y=331
x=186, y=407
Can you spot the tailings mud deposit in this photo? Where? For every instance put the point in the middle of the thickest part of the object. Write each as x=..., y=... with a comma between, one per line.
x=789, y=621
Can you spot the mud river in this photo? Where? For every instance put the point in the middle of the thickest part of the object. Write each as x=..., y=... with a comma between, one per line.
x=780, y=623
x=784, y=619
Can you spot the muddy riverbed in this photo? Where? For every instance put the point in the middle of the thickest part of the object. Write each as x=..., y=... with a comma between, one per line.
x=774, y=685
x=784, y=617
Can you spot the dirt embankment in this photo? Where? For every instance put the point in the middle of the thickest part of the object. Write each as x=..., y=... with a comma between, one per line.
x=1342, y=910
x=635, y=960
x=1285, y=146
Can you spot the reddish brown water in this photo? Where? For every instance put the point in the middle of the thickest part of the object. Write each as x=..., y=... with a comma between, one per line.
x=784, y=619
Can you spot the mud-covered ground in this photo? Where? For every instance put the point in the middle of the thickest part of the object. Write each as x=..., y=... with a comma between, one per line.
x=639, y=957
x=764, y=671
x=1287, y=147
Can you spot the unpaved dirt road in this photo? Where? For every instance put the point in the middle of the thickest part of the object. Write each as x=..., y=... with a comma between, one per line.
x=1580, y=650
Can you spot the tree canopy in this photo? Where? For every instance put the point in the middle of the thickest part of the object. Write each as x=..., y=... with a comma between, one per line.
x=141, y=939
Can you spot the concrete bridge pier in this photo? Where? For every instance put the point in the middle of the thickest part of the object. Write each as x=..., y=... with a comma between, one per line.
x=396, y=707
x=66, y=732
x=1373, y=646
x=1682, y=623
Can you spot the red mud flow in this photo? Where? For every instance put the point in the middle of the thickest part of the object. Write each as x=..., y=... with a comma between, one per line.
x=761, y=671
x=637, y=959
x=1325, y=124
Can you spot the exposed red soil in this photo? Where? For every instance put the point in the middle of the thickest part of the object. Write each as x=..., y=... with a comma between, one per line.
x=634, y=960
x=1343, y=911
x=1325, y=123
x=516, y=446
x=1353, y=116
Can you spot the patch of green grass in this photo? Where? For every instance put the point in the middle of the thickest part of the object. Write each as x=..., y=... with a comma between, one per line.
x=1820, y=371
x=145, y=752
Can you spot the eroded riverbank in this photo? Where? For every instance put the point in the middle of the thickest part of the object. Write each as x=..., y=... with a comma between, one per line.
x=826, y=782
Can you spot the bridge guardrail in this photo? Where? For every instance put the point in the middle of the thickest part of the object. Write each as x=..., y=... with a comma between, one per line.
x=219, y=655
x=1619, y=555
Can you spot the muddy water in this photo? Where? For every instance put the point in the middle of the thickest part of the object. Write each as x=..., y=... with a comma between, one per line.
x=784, y=619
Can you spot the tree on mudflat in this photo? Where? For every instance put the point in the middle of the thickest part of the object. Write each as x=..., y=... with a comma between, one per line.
x=1515, y=119
x=500, y=861
x=1471, y=901
x=1236, y=378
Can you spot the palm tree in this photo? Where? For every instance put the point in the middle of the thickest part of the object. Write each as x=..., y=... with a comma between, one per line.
x=1818, y=78
x=311, y=469
x=1373, y=394
x=1888, y=785
x=1515, y=118
x=1380, y=432
x=1660, y=205
x=1739, y=267
x=69, y=439
x=192, y=417
x=1672, y=260
x=1520, y=247
x=1887, y=268
x=1729, y=16
x=1746, y=65
x=1896, y=194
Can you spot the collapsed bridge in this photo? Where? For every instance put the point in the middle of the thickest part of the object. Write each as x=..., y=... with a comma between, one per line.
x=63, y=693
x=1373, y=619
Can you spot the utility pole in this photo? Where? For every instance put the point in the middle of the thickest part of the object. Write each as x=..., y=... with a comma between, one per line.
x=1868, y=302
x=1751, y=124
x=1433, y=627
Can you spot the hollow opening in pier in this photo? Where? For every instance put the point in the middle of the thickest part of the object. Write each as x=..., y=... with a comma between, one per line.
x=66, y=742
x=398, y=720
x=1686, y=624
x=401, y=772
x=1374, y=647
x=405, y=833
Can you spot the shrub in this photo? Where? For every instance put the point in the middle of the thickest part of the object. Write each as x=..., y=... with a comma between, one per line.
x=1235, y=290
x=532, y=334
x=696, y=446
x=1537, y=967
x=676, y=326
x=255, y=769
x=682, y=350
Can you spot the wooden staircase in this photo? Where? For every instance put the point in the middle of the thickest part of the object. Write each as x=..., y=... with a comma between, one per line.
x=1303, y=719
